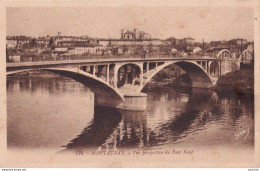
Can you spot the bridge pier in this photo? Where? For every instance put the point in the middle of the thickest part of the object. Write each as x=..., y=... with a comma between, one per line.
x=134, y=101
x=107, y=79
x=107, y=101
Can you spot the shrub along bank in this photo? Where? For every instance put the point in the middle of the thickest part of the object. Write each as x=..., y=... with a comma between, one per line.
x=241, y=81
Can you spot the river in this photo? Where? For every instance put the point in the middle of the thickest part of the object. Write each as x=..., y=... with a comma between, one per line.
x=52, y=111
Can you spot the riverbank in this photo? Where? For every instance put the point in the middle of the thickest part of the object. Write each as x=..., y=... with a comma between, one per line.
x=240, y=81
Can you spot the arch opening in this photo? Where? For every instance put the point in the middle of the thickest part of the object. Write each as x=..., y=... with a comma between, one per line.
x=246, y=57
x=197, y=75
x=128, y=77
x=214, y=69
x=105, y=72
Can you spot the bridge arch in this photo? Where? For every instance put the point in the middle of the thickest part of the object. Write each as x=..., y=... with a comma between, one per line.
x=198, y=75
x=246, y=57
x=224, y=53
x=105, y=94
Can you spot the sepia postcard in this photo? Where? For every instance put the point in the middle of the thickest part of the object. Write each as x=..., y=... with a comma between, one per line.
x=129, y=83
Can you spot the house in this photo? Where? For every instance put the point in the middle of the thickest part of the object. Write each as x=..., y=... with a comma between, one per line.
x=71, y=50
x=43, y=41
x=88, y=48
x=192, y=49
x=100, y=52
x=11, y=43
x=197, y=49
x=235, y=42
x=117, y=51
x=14, y=58
x=17, y=41
x=61, y=49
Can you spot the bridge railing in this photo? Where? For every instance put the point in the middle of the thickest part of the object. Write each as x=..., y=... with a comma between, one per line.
x=78, y=62
x=96, y=57
x=93, y=56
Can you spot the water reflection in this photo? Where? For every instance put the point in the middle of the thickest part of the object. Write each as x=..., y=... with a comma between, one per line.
x=168, y=122
x=100, y=128
x=40, y=114
x=131, y=132
x=63, y=108
x=43, y=81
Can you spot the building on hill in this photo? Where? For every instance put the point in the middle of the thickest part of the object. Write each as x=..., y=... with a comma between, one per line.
x=90, y=49
x=60, y=38
x=192, y=49
x=235, y=42
x=218, y=43
x=188, y=41
x=134, y=35
x=132, y=39
x=79, y=49
x=17, y=41
x=44, y=41
x=122, y=42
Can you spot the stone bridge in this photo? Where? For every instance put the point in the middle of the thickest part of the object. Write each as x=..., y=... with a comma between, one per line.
x=119, y=82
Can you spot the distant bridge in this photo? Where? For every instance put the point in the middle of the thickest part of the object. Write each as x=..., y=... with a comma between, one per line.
x=119, y=82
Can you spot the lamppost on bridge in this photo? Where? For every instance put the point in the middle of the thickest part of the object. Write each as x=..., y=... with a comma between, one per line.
x=202, y=47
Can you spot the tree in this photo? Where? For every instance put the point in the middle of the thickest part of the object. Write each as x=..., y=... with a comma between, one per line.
x=51, y=42
x=33, y=43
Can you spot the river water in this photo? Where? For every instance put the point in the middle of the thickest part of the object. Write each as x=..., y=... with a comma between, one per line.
x=52, y=111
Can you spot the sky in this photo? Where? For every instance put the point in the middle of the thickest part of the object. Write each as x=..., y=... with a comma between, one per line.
x=212, y=23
